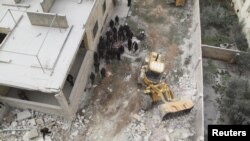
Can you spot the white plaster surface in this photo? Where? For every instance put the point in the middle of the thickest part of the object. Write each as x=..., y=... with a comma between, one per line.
x=25, y=43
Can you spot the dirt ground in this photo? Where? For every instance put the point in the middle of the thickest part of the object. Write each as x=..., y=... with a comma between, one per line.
x=115, y=102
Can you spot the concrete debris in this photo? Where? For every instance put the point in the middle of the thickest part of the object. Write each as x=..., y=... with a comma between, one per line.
x=13, y=124
x=83, y=111
x=23, y=115
x=127, y=78
x=47, y=138
x=170, y=130
x=32, y=122
x=146, y=138
x=138, y=138
x=109, y=89
x=137, y=117
x=75, y=133
x=39, y=121
x=30, y=134
x=167, y=138
x=26, y=128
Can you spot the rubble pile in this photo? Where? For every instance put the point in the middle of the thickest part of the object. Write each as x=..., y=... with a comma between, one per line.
x=137, y=130
x=147, y=126
x=26, y=125
x=184, y=82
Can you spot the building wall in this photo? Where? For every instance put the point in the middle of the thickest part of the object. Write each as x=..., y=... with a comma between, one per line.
x=46, y=5
x=97, y=15
x=197, y=71
x=91, y=43
x=219, y=53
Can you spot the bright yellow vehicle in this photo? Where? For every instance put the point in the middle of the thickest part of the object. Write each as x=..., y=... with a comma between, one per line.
x=150, y=77
x=180, y=2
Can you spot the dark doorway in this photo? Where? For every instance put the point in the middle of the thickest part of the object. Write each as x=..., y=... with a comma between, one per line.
x=114, y=2
x=2, y=37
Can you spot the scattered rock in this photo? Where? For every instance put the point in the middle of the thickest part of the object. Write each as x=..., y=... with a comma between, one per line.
x=110, y=90
x=9, y=118
x=137, y=117
x=39, y=121
x=13, y=124
x=167, y=138
x=30, y=134
x=83, y=111
x=32, y=122
x=170, y=130
x=138, y=138
x=127, y=78
x=75, y=133
x=146, y=138
x=47, y=138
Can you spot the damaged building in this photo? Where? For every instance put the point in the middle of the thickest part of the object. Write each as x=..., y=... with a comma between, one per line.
x=46, y=52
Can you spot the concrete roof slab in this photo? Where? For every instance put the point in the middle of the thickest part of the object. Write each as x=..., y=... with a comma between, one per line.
x=40, y=57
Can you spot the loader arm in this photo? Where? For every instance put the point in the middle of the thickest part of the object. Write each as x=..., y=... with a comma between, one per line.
x=160, y=92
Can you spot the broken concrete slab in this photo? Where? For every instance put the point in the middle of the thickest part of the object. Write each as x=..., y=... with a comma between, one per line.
x=30, y=134
x=23, y=115
x=32, y=122
x=39, y=121
x=13, y=124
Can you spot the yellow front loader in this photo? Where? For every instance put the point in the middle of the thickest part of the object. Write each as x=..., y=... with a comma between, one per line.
x=150, y=77
x=180, y=2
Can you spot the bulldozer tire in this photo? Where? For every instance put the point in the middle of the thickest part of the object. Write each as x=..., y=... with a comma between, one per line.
x=146, y=102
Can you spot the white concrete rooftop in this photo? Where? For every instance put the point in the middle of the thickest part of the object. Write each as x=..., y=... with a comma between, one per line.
x=38, y=57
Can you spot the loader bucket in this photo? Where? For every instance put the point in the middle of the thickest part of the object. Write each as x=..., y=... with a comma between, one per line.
x=171, y=109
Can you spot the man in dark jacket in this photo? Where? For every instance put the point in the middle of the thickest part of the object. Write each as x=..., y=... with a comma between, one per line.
x=103, y=72
x=70, y=79
x=92, y=78
x=45, y=131
x=129, y=44
x=116, y=20
x=111, y=24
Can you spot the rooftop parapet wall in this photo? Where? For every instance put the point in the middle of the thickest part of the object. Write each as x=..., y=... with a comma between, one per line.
x=46, y=19
x=4, y=30
x=197, y=72
x=46, y=5
x=17, y=1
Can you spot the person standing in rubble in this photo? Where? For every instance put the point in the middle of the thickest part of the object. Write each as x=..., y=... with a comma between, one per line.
x=116, y=20
x=103, y=73
x=111, y=24
x=70, y=79
x=129, y=44
x=45, y=131
x=92, y=78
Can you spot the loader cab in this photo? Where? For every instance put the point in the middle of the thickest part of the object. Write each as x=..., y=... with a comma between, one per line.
x=155, y=71
x=153, y=76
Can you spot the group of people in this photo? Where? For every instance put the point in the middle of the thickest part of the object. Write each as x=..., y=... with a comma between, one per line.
x=112, y=45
